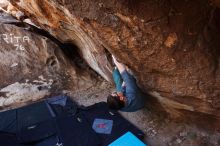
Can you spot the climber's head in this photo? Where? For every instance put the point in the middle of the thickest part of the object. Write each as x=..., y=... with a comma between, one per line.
x=116, y=101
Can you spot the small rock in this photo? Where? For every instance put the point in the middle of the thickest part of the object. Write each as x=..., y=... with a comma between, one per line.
x=149, y=129
x=101, y=5
x=178, y=141
x=203, y=134
x=14, y=65
x=42, y=78
x=183, y=134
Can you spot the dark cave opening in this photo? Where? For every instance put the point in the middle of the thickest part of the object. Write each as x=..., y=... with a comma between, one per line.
x=71, y=51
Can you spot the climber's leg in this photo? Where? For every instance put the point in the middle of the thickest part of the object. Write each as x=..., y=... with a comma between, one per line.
x=117, y=80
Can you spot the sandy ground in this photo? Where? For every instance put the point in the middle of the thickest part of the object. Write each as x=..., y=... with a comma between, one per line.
x=159, y=131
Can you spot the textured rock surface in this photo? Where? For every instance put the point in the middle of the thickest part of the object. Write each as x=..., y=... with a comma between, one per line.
x=216, y=3
x=32, y=66
x=171, y=46
x=4, y=3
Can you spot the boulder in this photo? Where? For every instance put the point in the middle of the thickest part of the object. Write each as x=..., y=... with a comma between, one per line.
x=171, y=46
x=33, y=66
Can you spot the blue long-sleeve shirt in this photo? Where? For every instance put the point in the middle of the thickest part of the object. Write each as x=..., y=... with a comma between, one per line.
x=135, y=97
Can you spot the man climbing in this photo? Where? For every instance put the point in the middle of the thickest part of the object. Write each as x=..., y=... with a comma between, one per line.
x=128, y=96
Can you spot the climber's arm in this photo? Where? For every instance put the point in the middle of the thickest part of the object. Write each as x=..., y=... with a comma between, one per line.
x=120, y=66
x=129, y=80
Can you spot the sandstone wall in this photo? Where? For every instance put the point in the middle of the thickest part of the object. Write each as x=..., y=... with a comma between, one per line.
x=171, y=46
x=33, y=66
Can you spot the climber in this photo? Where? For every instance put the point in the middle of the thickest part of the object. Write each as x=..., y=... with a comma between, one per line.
x=128, y=96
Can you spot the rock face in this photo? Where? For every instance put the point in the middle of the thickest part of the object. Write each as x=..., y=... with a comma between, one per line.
x=32, y=66
x=216, y=3
x=4, y=3
x=171, y=46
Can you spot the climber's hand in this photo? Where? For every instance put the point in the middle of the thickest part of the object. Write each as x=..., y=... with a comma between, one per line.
x=120, y=66
x=114, y=59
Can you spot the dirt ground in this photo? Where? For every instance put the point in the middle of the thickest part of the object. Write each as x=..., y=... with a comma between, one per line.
x=159, y=131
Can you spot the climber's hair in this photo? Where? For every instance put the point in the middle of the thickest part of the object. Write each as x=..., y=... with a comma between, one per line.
x=114, y=102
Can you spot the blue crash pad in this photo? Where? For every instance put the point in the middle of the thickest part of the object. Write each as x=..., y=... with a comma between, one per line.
x=128, y=139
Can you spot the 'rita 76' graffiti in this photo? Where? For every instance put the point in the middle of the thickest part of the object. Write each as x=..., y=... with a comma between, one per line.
x=15, y=40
